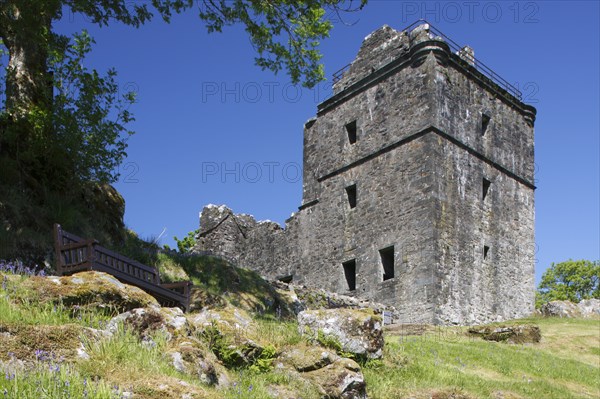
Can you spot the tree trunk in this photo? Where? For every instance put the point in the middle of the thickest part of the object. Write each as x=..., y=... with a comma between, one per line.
x=25, y=28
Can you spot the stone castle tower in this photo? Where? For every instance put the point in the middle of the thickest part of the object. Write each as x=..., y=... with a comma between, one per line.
x=418, y=189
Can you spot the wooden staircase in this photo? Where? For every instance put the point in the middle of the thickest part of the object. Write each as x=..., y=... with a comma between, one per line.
x=75, y=254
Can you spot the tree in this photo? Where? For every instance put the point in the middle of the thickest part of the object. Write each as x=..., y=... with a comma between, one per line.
x=187, y=242
x=571, y=281
x=285, y=34
x=63, y=126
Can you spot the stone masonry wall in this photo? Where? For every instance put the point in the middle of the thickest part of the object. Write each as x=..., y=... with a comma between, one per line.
x=429, y=130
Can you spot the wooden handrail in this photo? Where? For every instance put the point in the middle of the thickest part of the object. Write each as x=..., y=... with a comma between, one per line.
x=122, y=258
x=177, y=284
x=77, y=245
x=70, y=258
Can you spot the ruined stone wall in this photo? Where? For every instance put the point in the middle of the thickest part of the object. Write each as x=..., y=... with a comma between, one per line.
x=263, y=246
x=429, y=130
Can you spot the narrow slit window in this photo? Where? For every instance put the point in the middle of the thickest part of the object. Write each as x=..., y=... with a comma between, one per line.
x=485, y=187
x=387, y=261
x=486, y=251
x=485, y=122
x=351, y=193
x=350, y=274
x=351, y=130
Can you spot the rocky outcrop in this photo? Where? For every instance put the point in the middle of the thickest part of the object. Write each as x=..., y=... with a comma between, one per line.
x=589, y=307
x=523, y=334
x=209, y=344
x=586, y=308
x=359, y=332
x=228, y=320
x=300, y=298
x=95, y=290
x=335, y=377
x=190, y=356
x=560, y=309
x=41, y=343
x=145, y=321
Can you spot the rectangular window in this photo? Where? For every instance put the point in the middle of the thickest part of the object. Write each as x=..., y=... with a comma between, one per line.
x=351, y=130
x=387, y=261
x=486, y=250
x=351, y=193
x=486, y=187
x=485, y=121
x=350, y=274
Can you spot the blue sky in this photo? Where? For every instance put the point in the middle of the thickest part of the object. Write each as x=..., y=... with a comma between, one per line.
x=204, y=108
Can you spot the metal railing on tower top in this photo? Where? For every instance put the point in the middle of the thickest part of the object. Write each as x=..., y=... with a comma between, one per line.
x=456, y=48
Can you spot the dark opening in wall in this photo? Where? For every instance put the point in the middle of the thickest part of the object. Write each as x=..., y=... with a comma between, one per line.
x=286, y=279
x=486, y=186
x=485, y=121
x=486, y=250
x=351, y=130
x=350, y=274
x=387, y=261
x=351, y=193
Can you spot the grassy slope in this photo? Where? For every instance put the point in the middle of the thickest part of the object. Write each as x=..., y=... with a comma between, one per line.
x=443, y=363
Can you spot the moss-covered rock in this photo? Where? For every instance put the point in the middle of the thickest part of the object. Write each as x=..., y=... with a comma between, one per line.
x=229, y=320
x=333, y=376
x=307, y=359
x=192, y=357
x=357, y=332
x=520, y=334
x=95, y=290
x=340, y=380
x=145, y=321
x=228, y=334
x=40, y=343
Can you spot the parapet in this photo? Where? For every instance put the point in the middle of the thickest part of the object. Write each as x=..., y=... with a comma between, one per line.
x=386, y=49
x=378, y=49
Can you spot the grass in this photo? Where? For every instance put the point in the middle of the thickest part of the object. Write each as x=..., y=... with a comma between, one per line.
x=28, y=312
x=442, y=363
x=445, y=361
x=51, y=380
x=250, y=385
x=216, y=281
x=142, y=366
x=278, y=333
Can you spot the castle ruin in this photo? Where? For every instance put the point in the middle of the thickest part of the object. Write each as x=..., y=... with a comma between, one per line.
x=418, y=189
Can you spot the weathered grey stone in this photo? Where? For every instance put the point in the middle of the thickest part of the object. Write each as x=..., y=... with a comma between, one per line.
x=340, y=380
x=191, y=357
x=359, y=332
x=170, y=321
x=589, y=307
x=566, y=309
x=302, y=298
x=308, y=359
x=441, y=161
x=334, y=376
x=229, y=319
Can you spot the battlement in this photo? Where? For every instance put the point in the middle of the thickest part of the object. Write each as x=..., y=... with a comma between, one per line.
x=384, y=50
